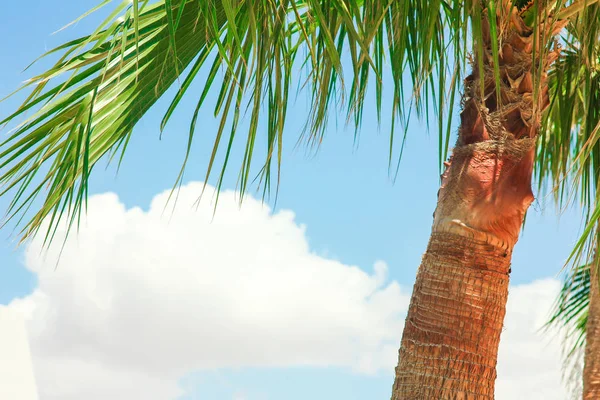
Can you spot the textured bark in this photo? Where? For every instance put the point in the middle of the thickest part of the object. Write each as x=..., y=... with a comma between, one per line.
x=591, y=369
x=452, y=332
x=450, y=341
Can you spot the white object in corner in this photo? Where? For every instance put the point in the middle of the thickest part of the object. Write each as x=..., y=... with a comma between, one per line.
x=17, y=380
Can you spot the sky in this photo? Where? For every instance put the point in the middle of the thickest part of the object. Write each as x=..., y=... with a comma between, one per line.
x=301, y=299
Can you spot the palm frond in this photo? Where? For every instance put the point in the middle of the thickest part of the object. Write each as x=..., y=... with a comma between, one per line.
x=569, y=317
x=571, y=307
x=85, y=107
x=569, y=152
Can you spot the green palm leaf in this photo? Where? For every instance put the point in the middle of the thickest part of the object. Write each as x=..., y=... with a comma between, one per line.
x=571, y=308
x=86, y=106
x=569, y=152
x=570, y=317
x=108, y=88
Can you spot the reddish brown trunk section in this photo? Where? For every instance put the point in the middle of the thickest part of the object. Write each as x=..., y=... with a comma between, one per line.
x=591, y=369
x=450, y=341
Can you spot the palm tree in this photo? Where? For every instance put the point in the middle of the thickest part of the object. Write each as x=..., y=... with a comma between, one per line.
x=85, y=107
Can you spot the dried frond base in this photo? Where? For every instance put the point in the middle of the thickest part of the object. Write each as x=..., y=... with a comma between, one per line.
x=487, y=183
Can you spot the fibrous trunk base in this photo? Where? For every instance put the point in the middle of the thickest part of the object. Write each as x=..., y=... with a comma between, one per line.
x=455, y=318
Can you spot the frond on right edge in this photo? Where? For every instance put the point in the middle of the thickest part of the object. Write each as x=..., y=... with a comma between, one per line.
x=569, y=318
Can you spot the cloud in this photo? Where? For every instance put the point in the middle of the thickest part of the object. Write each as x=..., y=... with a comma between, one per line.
x=142, y=298
x=143, y=295
x=529, y=362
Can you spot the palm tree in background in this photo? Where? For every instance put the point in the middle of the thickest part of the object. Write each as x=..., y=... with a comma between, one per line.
x=532, y=65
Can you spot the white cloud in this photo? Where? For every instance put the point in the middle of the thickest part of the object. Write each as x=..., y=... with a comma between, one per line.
x=140, y=295
x=142, y=298
x=529, y=362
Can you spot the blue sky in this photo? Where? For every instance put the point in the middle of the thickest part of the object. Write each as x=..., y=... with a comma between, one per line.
x=352, y=211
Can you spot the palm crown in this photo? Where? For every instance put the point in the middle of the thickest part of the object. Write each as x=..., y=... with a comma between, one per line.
x=85, y=107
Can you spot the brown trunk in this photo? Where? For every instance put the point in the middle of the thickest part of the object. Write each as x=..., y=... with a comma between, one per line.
x=450, y=341
x=452, y=332
x=591, y=369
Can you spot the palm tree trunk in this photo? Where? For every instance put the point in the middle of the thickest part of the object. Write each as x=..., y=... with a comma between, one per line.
x=451, y=336
x=450, y=341
x=591, y=368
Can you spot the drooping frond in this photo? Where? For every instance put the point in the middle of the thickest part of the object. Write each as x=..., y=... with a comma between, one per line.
x=569, y=317
x=85, y=107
